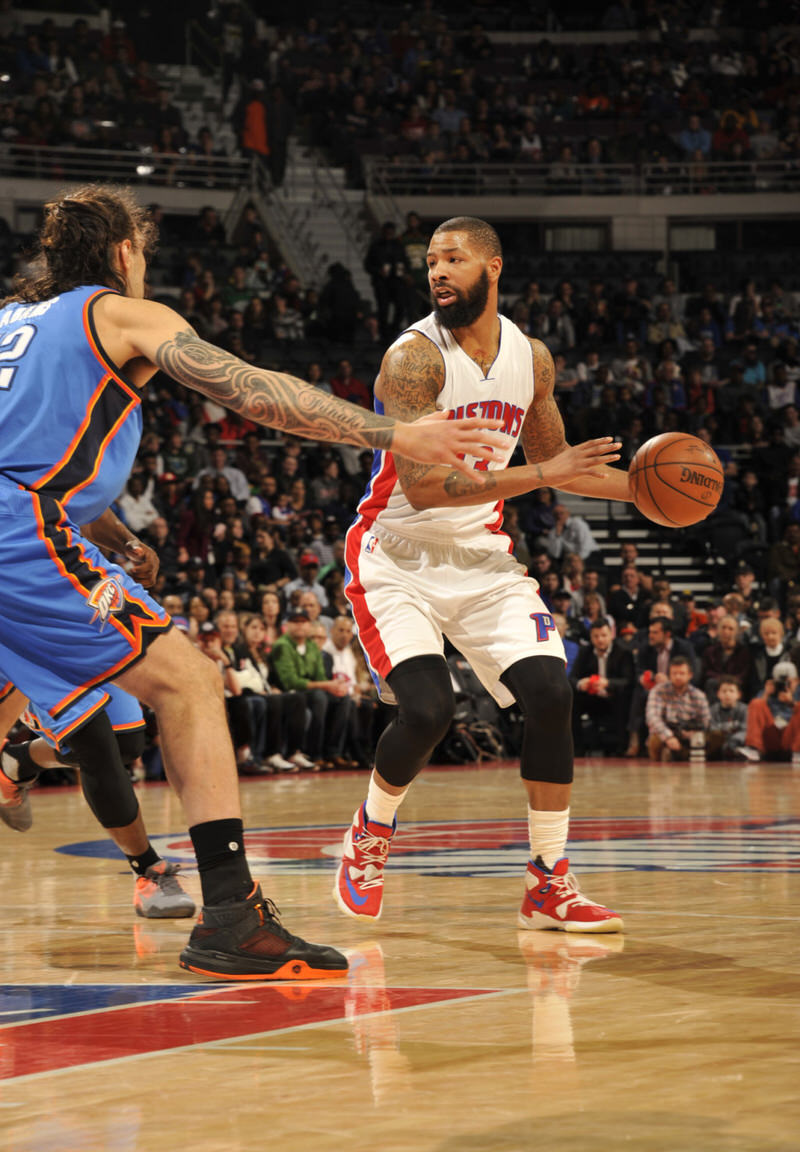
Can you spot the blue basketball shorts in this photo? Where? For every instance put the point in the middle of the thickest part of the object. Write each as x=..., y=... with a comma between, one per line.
x=69, y=620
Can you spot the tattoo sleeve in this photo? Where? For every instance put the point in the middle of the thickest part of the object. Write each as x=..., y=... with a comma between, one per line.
x=271, y=398
x=543, y=431
x=412, y=375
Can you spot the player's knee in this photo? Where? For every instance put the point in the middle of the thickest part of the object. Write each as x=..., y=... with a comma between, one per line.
x=174, y=667
x=424, y=691
x=429, y=718
x=540, y=686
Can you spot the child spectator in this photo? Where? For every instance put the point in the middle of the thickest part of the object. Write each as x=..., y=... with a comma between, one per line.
x=728, y=725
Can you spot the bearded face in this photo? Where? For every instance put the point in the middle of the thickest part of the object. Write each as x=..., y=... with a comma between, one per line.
x=457, y=307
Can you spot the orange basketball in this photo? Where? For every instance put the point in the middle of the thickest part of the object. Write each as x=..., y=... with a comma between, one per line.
x=675, y=479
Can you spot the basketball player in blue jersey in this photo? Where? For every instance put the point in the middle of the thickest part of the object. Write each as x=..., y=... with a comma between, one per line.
x=78, y=342
x=426, y=558
x=106, y=784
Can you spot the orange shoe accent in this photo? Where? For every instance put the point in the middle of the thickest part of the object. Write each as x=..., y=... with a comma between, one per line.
x=294, y=970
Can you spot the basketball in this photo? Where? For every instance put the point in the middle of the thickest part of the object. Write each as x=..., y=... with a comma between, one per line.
x=675, y=479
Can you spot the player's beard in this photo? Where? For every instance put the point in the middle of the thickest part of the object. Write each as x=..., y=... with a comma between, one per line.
x=467, y=306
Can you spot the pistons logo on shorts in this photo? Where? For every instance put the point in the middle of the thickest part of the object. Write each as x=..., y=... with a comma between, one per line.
x=107, y=597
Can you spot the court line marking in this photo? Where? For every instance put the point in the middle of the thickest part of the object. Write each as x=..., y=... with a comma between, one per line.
x=81, y=1069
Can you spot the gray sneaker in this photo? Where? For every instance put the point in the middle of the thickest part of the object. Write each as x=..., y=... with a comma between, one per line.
x=159, y=896
x=15, y=803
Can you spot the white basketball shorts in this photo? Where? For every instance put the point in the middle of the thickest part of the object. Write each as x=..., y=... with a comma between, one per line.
x=407, y=594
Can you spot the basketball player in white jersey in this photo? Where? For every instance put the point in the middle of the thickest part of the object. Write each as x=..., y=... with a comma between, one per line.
x=426, y=558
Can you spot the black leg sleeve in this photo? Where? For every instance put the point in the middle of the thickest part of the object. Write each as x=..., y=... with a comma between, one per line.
x=104, y=778
x=540, y=687
x=425, y=707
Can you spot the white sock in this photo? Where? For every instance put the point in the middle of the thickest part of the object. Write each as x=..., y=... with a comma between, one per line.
x=548, y=835
x=381, y=806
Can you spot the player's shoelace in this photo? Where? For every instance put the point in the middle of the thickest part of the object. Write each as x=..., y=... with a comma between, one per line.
x=372, y=851
x=567, y=888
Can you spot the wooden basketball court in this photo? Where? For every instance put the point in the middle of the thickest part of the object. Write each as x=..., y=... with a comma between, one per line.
x=455, y=1032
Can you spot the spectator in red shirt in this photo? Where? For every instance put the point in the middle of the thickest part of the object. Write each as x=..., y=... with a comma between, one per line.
x=348, y=387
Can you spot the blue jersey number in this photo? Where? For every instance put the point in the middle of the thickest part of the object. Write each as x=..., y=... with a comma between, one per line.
x=13, y=346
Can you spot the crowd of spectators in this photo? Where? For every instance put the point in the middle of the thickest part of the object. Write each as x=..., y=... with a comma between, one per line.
x=428, y=92
x=249, y=527
x=431, y=87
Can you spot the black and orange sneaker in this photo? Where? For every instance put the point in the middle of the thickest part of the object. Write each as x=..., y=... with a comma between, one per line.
x=246, y=941
x=15, y=803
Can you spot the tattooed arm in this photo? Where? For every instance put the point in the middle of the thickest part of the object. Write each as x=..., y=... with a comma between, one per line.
x=142, y=335
x=411, y=378
x=545, y=446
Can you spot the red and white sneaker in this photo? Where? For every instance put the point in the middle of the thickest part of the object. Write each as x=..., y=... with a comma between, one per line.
x=552, y=900
x=359, y=879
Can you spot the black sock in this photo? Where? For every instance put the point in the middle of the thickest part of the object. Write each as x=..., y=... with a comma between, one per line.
x=27, y=768
x=144, y=860
x=224, y=873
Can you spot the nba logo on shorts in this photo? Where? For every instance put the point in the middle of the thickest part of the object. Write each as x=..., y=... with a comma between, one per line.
x=371, y=544
x=106, y=597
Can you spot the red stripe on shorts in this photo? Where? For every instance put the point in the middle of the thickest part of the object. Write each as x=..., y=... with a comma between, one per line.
x=368, y=634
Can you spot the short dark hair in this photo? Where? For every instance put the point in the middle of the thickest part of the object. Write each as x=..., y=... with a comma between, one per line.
x=677, y=660
x=482, y=233
x=601, y=623
x=665, y=622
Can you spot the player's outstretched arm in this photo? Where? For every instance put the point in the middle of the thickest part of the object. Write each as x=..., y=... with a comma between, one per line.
x=411, y=378
x=278, y=400
x=571, y=468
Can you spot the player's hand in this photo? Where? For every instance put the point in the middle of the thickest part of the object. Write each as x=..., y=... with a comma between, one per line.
x=435, y=439
x=144, y=562
x=576, y=460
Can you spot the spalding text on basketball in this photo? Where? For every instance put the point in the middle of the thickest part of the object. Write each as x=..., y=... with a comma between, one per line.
x=689, y=476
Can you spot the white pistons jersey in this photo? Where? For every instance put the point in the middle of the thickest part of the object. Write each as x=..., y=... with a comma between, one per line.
x=505, y=393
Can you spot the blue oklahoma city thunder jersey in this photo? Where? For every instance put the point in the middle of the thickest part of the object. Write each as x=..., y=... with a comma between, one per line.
x=70, y=423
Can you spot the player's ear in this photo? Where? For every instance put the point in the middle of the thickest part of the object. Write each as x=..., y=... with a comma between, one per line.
x=122, y=254
x=494, y=268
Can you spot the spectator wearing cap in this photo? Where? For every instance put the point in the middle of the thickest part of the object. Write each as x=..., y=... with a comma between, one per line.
x=773, y=719
x=308, y=581
x=299, y=667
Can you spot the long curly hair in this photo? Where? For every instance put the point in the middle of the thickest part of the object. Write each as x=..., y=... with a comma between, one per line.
x=76, y=239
